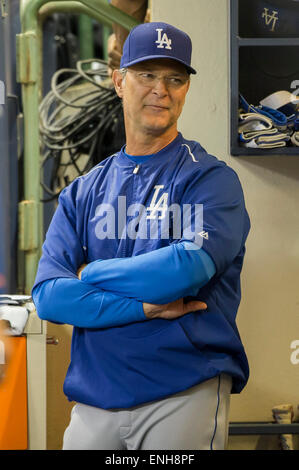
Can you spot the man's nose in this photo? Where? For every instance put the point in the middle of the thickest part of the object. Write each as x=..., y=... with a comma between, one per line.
x=160, y=87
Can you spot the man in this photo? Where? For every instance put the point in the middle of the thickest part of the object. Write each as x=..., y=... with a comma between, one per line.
x=143, y=256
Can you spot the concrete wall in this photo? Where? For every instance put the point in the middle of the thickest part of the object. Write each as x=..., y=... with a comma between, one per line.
x=268, y=317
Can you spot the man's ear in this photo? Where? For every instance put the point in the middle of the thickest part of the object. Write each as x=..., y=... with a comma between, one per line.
x=188, y=85
x=118, y=79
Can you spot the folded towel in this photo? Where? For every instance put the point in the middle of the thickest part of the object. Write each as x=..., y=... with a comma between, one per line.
x=15, y=310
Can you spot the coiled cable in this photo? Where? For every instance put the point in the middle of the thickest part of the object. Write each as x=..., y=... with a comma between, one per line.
x=89, y=123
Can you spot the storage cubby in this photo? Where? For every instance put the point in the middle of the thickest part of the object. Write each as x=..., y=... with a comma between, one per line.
x=264, y=59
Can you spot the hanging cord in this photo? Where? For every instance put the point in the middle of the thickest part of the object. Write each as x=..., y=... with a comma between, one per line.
x=78, y=130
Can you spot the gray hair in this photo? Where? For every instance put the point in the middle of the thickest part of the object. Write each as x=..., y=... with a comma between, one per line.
x=123, y=72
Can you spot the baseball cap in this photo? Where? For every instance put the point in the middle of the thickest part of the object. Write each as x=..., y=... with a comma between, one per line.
x=157, y=40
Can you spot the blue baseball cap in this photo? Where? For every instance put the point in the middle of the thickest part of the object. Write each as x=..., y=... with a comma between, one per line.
x=157, y=40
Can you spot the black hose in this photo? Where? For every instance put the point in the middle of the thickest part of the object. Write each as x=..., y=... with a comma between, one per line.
x=89, y=124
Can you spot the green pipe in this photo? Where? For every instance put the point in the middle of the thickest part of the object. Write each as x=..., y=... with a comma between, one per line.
x=29, y=64
x=65, y=6
x=85, y=37
x=101, y=8
x=30, y=220
x=106, y=31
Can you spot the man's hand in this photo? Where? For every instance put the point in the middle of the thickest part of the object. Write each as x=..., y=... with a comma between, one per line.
x=173, y=309
x=80, y=269
x=135, y=8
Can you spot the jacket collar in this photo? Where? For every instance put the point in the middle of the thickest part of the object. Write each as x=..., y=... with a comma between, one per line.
x=154, y=159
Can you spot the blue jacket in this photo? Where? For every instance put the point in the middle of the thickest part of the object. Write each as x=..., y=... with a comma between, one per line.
x=172, y=226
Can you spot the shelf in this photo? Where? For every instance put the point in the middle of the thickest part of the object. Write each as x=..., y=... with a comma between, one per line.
x=241, y=151
x=273, y=42
x=256, y=428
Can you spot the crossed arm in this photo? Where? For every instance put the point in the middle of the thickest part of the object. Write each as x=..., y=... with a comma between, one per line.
x=170, y=310
x=114, y=292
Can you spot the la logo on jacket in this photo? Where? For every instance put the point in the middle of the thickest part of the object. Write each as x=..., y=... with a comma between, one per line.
x=158, y=207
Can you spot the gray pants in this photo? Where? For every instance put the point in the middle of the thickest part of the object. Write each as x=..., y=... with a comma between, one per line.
x=195, y=419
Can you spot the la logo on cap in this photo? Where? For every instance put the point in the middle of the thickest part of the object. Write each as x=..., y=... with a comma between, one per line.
x=163, y=41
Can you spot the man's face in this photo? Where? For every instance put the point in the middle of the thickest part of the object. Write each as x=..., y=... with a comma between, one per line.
x=153, y=94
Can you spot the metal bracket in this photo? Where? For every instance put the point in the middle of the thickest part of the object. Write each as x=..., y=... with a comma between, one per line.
x=3, y=8
x=20, y=134
x=28, y=232
x=52, y=340
x=26, y=58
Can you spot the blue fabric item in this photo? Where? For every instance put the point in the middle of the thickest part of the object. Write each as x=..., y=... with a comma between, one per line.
x=73, y=302
x=136, y=158
x=79, y=304
x=157, y=277
x=105, y=215
x=278, y=118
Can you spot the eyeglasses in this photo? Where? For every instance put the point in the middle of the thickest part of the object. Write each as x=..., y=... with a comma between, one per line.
x=150, y=80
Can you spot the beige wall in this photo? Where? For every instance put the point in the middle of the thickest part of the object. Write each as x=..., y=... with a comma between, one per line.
x=268, y=317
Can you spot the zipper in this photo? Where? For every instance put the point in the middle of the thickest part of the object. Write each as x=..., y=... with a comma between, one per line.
x=136, y=169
